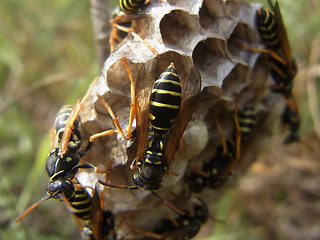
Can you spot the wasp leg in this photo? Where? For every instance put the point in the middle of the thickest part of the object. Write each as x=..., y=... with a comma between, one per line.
x=238, y=130
x=115, y=38
x=223, y=137
x=271, y=53
x=114, y=118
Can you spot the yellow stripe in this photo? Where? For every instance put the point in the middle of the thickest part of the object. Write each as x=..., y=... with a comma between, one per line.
x=157, y=104
x=245, y=129
x=269, y=36
x=159, y=128
x=161, y=91
x=172, y=73
x=88, y=209
x=243, y=120
x=168, y=81
x=151, y=117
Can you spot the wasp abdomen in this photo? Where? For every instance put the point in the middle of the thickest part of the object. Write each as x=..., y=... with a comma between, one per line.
x=60, y=124
x=81, y=202
x=267, y=28
x=165, y=100
x=131, y=6
x=246, y=118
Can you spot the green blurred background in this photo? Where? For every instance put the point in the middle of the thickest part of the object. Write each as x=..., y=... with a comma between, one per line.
x=48, y=59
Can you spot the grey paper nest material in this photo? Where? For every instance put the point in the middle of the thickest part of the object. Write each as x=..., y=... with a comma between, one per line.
x=189, y=33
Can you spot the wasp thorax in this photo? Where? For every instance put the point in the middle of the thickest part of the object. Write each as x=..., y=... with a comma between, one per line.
x=150, y=171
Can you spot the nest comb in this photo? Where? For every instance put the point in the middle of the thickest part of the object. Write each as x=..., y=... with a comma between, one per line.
x=190, y=33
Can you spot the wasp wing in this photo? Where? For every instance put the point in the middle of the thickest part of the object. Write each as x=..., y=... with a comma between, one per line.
x=143, y=87
x=69, y=127
x=283, y=36
x=96, y=215
x=191, y=90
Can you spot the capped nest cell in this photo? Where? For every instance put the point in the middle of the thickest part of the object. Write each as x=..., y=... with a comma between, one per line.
x=192, y=34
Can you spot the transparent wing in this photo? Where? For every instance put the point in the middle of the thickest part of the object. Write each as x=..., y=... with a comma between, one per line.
x=69, y=127
x=143, y=87
x=191, y=90
x=283, y=36
x=96, y=215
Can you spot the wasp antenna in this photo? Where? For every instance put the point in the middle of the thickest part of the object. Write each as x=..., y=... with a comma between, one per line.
x=180, y=212
x=117, y=186
x=29, y=209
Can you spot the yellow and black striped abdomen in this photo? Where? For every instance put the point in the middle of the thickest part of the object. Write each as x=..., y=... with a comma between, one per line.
x=81, y=202
x=60, y=123
x=165, y=100
x=246, y=118
x=267, y=28
x=131, y=6
x=61, y=120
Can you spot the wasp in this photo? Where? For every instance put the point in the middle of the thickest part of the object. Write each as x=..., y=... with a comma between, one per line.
x=63, y=160
x=166, y=106
x=283, y=67
x=273, y=34
x=163, y=109
x=215, y=172
x=218, y=169
x=62, y=163
x=184, y=226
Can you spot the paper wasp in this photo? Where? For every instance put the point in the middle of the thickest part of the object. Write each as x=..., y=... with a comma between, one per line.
x=156, y=107
x=213, y=173
x=218, y=169
x=184, y=226
x=282, y=65
x=62, y=163
x=273, y=34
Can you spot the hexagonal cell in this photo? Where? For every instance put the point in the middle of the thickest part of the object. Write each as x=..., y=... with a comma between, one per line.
x=242, y=36
x=191, y=6
x=212, y=60
x=117, y=77
x=179, y=30
x=235, y=81
x=214, y=8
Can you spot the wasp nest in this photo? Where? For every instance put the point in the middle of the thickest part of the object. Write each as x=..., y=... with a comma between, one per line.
x=189, y=33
